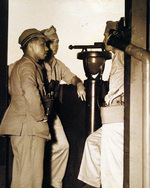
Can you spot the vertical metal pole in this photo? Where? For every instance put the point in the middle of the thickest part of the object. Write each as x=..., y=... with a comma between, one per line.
x=146, y=127
x=92, y=105
x=92, y=110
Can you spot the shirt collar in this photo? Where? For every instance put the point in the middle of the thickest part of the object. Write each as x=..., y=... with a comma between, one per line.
x=30, y=58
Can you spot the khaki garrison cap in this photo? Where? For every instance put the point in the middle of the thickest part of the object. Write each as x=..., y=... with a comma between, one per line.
x=111, y=25
x=50, y=33
x=29, y=34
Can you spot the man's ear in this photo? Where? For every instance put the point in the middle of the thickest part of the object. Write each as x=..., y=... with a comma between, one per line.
x=31, y=46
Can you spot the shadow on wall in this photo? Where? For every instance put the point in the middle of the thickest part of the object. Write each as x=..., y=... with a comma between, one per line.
x=72, y=114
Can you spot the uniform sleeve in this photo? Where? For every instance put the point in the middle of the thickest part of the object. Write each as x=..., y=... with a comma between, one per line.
x=28, y=74
x=116, y=82
x=10, y=67
x=66, y=74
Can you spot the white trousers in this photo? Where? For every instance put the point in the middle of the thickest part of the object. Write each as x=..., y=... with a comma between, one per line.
x=102, y=161
x=112, y=155
x=90, y=168
x=60, y=153
x=28, y=161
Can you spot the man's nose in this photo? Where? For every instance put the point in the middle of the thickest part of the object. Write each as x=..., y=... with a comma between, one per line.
x=46, y=48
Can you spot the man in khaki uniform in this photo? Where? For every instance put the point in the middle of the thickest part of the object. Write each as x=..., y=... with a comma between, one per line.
x=24, y=119
x=57, y=71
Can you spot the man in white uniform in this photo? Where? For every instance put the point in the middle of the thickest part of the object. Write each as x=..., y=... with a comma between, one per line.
x=102, y=162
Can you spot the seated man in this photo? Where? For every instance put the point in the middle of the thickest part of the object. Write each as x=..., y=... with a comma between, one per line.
x=102, y=162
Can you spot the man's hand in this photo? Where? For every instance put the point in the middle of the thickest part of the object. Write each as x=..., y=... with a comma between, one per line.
x=80, y=87
x=81, y=91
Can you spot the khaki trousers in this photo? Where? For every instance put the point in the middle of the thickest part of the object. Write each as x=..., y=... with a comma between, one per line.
x=28, y=161
x=60, y=153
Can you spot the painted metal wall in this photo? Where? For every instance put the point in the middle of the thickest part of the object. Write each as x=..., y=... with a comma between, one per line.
x=136, y=137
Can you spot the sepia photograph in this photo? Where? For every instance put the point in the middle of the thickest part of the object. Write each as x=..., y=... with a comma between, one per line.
x=75, y=94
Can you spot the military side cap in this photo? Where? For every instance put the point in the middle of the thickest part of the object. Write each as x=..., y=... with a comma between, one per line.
x=29, y=34
x=50, y=33
x=111, y=25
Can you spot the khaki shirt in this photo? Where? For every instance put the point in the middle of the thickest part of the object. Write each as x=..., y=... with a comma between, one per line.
x=58, y=71
x=26, y=108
